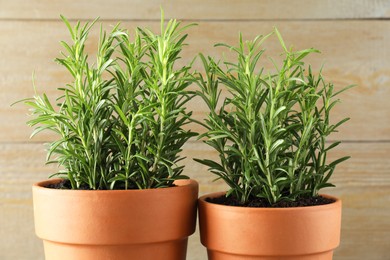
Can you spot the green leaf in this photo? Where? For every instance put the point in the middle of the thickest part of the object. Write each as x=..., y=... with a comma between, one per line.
x=281, y=41
x=334, y=163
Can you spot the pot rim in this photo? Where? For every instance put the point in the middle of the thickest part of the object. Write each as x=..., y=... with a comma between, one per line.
x=91, y=215
x=294, y=231
x=182, y=183
x=202, y=199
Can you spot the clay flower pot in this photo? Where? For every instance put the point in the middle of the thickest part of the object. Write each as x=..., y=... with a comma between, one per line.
x=118, y=224
x=302, y=233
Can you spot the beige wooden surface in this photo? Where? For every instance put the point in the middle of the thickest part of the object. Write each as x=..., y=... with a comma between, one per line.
x=196, y=10
x=353, y=36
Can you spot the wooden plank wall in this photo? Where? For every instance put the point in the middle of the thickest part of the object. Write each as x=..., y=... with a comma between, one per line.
x=353, y=36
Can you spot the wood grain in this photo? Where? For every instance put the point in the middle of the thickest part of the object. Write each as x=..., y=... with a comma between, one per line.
x=363, y=183
x=195, y=10
x=353, y=53
x=352, y=35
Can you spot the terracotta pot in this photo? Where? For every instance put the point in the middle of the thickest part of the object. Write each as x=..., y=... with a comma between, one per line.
x=302, y=233
x=118, y=225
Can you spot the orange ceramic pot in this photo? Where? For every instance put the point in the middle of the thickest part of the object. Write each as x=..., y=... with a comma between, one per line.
x=115, y=225
x=237, y=233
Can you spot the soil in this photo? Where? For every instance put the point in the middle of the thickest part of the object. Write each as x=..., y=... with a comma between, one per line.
x=263, y=203
x=66, y=185
x=63, y=185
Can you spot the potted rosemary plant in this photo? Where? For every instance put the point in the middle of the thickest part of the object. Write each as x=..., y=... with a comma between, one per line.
x=121, y=192
x=270, y=133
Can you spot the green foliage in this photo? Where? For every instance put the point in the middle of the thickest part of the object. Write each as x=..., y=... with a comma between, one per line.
x=270, y=132
x=120, y=121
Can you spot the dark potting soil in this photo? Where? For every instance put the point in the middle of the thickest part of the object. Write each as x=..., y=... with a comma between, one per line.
x=63, y=185
x=263, y=203
x=66, y=185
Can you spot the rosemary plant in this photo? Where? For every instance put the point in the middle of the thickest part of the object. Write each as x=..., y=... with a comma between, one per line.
x=120, y=121
x=271, y=131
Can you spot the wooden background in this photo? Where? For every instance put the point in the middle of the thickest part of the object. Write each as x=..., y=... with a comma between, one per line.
x=353, y=35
